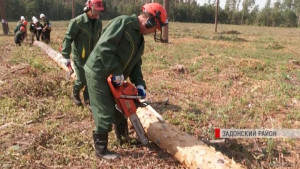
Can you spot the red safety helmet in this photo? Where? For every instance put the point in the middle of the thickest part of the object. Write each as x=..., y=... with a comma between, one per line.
x=22, y=28
x=158, y=11
x=95, y=5
x=25, y=23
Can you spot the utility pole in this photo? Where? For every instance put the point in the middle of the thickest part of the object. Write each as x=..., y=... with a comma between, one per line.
x=3, y=18
x=165, y=29
x=73, y=8
x=216, y=16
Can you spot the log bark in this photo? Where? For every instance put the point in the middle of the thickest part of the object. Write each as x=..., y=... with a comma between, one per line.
x=185, y=148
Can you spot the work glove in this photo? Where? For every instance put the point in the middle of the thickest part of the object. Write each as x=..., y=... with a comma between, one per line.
x=141, y=91
x=117, y=80
x=66, y=62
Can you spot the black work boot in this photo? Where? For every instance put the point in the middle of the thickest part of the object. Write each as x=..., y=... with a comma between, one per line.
x=101, y=151
x=76, y=97
x=122, y=135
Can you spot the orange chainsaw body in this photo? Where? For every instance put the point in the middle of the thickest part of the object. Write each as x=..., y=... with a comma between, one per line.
x=126, y=97
x=127, y=106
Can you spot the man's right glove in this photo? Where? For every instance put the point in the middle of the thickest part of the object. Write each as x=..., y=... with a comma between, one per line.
x=117, y=80
x=66, y=62
x=141, y=91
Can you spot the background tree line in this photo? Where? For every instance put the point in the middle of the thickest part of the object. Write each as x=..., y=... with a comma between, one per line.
x=282, y=13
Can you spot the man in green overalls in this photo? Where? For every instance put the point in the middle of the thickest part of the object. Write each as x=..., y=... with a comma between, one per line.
x=118, y=53
x=83, y=33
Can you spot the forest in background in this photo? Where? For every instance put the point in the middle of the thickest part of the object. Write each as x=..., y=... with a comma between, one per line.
x=283, y=13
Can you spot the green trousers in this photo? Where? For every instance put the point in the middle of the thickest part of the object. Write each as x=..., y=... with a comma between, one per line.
x=103, y=105
x=80, y=81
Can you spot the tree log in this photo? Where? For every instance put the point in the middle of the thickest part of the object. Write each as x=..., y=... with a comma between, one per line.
x=53, y=54
x=185, y=148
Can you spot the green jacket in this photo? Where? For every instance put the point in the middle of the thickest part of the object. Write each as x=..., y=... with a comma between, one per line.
x=83, y=36
x=119, y=51
x=17, y=28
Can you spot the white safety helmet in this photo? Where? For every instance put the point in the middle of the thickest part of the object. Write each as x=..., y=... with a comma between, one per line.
x=42, y=15
x=33, y=18
x=22, y=18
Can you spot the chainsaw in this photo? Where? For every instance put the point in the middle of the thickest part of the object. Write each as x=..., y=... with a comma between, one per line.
x=127, y=101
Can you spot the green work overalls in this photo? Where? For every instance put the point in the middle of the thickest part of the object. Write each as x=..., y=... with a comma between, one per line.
x=117, y=52
x=83, y=37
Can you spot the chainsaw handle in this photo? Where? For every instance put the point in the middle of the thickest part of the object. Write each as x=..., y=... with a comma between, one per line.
x=112, y=87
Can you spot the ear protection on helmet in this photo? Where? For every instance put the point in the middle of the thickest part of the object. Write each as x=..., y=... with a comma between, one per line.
x=85, y=9
x=151, y=22
x=87, y=6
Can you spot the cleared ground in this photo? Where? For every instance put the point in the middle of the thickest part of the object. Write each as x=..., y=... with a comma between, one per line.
x=242, y=77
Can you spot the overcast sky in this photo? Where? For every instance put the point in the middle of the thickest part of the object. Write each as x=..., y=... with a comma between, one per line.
x=260, y=3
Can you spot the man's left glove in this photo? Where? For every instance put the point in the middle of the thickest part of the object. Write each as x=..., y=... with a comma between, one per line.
x=141, y=91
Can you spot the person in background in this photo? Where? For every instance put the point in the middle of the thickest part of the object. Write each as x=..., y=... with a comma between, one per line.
x=118, y=53
x=20, y=35
x=46, y=30
x=21, y=20
x=35, y=28
x=82, y=35
x=23, y=23
x=32, y=29
x=38, y=29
